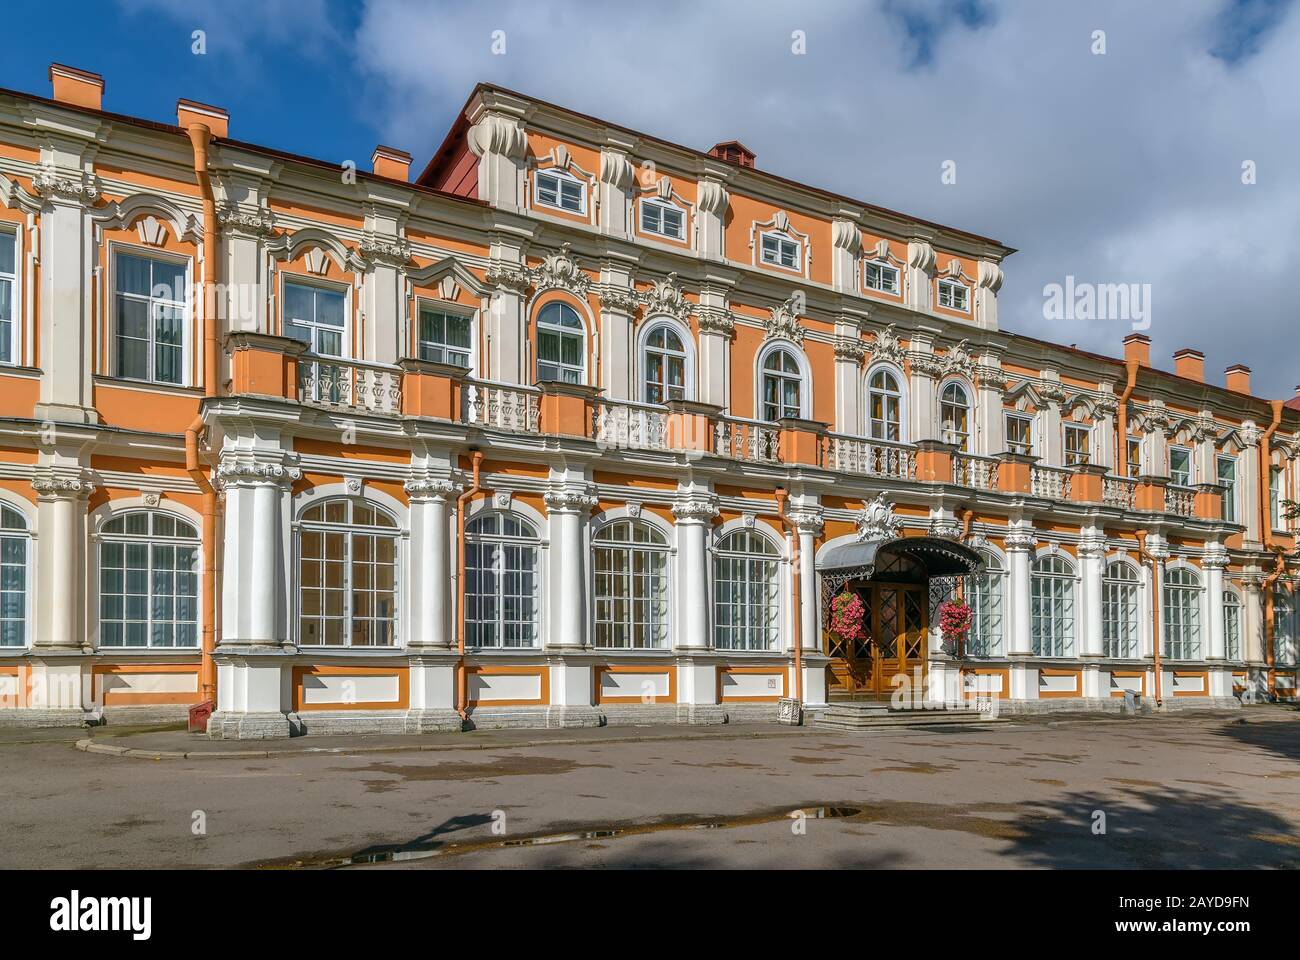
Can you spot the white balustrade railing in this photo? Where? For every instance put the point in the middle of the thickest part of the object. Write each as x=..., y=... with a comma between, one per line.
x=873, y=458
x=1180, y=500
x=1119, y=492
x=505, y=406
x=970, y=470
x=746, y=440
x=349, y=384
x=1050, y=482
x=629, y=426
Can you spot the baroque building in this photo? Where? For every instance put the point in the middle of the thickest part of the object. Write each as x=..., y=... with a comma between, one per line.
x=577, y=426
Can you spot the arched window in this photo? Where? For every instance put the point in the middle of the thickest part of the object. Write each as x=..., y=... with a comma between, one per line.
x=561, y=344
x=1182, y=615
x=501, y=585
x=631, y=564
x=1231, y=625
x=665, y=362
x=1284, y=627
x=884, y=406
x=782, y=386
x=1052, y=607
x=15, y=555
x=954, y=416
x=347, y=575
x=1119, y=611
x=745, y=592
x=148, y=581
x=986, y=590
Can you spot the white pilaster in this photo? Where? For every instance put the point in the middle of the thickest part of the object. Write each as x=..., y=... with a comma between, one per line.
x=1020, y=544
x=568, y=505
x=1092, y=563
x=694, y=512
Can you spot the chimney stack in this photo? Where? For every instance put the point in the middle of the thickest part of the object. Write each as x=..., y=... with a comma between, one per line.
x=391, y=162
x=190, y=112
x=1237, y=378
x=1137, y=346
x=1190, y=364
x=81, y=88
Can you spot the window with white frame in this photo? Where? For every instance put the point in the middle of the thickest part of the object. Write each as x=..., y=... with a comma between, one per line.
x=781, y=251
x=1020, y=433
x=1231, y=625
x=501, y=582
x=445, y=336
x=1227, y=476
x=1052, y=589
x=9, y=308
x=1284, y=626
x=1180, y=466
x=148, y=581
x=1182, y=615
x=664, y=361
x=1120, y=592
x=1078, y=444
x=663, y=219
x=630, y=559
x=316, y=315
x=1275, y=497
x=150, y=308
x=745, y=592
x=954, y=295
x=561, y=191
x=987, y=590
x=15, y=576
x=954, y=416
x=880, y=276
x=561, y=344
x=884, y=406
x=1134, y=458
x=347, y=575
x=782, y=386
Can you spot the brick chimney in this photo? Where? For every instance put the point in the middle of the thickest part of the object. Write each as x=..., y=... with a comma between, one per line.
x=391, y=162
x=216, y=119
x=1137, y=346
x=80, y=88
x=1190, y=363
x=733, y=151
x=1237, y=378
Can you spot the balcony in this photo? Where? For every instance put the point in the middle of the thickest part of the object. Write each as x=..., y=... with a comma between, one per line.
x=746, y=440
x=1051, y=483
x=349, y=385
x=1180, y=501
x=979, y=473
x=501, y=406
x=871, y=458
x=1119, y=492
x=629, y=426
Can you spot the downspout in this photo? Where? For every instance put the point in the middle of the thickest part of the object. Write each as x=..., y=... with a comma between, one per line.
x=1156, y=570
x=797, y=606
x=1121, y=418
x=1266, y=538
x=462, y=681
x=200, y=137
x=967, y=517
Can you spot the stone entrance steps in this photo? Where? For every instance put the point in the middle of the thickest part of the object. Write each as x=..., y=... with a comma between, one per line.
x=874, y=714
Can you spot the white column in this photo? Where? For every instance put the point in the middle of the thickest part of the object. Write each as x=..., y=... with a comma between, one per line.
x=717, y=327
x=1020, y=544
x=431, y=573
x=254, y=566
x=988, y=283
x=618, y=360
x=694, y=515
x=850, y=415
x=568, y=509
x=808, y=523
x=616, y=179
x=920, y=273
x=61, y=563
x=1092, y=561
x=712, y=204
x=1214, y=563
x=846, y=248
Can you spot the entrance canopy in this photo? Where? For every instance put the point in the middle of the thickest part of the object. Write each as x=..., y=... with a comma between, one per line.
x=938, y=556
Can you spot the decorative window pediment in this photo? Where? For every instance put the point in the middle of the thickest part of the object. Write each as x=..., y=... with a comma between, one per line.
x=560, y=184
x=777, y=243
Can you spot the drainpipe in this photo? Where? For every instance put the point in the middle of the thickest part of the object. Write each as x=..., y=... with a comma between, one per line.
x=1156, y=571
x=967, y=517
x=200, y=137
x=1266, y=537
x=462, y=681
x=1121, y=418
x=797, y=606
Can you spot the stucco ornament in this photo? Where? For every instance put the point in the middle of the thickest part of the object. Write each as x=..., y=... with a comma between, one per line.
x=783, y=319
x=886, y=346
x=877, y=520
x=667, y=297
x=959, y=361
x=507, y=276
x=561, y=271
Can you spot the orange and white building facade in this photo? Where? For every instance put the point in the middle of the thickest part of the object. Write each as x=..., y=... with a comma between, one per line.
x=578, y=426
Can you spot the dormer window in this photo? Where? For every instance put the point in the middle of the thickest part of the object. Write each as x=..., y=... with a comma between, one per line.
x=780, y=251
x=880, y=276
x=561, y=191
x=954, y=295
x=662, y=219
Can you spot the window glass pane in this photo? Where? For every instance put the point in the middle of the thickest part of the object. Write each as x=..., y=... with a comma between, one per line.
x=8, y=244
x=297, y=301
x=133, y=274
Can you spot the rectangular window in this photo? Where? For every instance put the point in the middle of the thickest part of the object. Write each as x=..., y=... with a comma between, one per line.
x=780, y=251
x=1135, y=458
x=1227, y=476
x=662, y=219
x=444, y=336
x=880, y=276
x=1275, y=497
x=150, y=295
x=1020, y=434
x=953, y=295
x=1180, y=466
x=1078, y=445
x=8, y=301
x=563, y=193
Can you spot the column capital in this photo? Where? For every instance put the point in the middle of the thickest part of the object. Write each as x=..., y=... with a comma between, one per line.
x=570, y=501
x=1018, y=541
x=423, y=489
x=808, y=520
x=247, y=472
x=1093, y=548
x=695, y=510
x=1215, y=558
x=54, y=485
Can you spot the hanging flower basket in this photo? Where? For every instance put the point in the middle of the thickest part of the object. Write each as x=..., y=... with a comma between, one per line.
x=954, y=623
x=847, y=616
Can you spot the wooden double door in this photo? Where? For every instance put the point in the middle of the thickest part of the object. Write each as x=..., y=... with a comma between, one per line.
x=893, y=642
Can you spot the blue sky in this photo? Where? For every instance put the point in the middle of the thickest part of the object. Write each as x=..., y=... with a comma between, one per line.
x=1123, y=167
